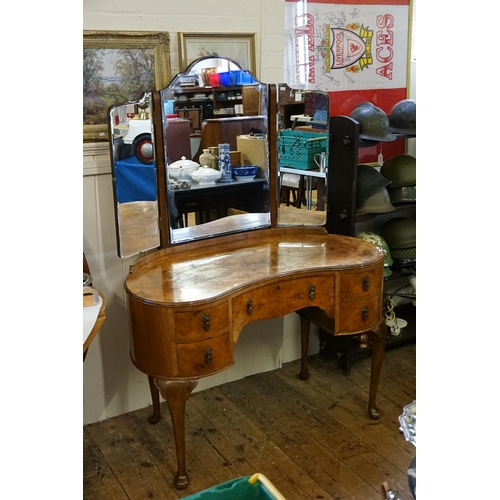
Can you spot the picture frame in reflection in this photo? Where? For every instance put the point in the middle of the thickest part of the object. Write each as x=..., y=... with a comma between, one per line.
x=237, y=46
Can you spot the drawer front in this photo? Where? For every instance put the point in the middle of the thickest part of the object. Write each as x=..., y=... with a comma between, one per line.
x=284, y=297
x=201, y=324
x=359, y=316
x=357, y=285
x=198, y=359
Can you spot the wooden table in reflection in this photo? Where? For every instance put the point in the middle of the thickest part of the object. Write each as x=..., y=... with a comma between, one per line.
x=138, y=222
x=214, y=201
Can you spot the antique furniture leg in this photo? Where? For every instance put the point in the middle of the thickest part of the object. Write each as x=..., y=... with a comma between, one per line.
x=155, y=396
x=377, y=337
x=344, y=362
x=305, y=326
x=177, y=392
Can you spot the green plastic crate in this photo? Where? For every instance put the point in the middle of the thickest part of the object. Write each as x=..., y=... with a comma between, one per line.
x=296, y=149
x=256, y=487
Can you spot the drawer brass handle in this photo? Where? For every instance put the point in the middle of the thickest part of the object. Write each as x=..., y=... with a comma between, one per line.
x=249, y=307
x=206, y=322
x=208, y=355
x=364, y=313
x=366, y=283
x=312, y=292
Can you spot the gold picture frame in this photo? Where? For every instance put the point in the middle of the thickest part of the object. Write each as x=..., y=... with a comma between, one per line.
x=237, y=46
x=159, y=42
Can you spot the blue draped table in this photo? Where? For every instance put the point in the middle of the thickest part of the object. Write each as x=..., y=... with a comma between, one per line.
x=135, y=181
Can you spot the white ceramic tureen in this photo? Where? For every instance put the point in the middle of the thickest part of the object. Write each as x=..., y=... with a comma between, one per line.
x=206, y=175
x=182, y=169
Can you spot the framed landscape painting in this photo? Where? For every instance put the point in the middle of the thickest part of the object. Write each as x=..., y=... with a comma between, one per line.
x=119, y=66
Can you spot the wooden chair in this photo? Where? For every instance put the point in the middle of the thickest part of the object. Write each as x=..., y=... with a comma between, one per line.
x=292, y=184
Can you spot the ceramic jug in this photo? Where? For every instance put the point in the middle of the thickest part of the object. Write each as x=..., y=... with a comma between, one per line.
x=320, y=160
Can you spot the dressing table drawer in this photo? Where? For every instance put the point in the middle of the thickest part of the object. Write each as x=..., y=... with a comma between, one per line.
x=198, y=359
x=201, y=324
x=359, y=316
x=364, y=284
x=283, y=297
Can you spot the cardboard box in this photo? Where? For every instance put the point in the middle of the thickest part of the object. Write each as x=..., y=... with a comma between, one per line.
x=235, y=157
x=253, y=152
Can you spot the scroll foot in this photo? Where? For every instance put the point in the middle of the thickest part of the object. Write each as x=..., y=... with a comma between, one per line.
x=154, y=418
x=181, y=482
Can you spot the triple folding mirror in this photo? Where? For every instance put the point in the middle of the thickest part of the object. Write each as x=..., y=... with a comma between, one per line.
x=215, y=149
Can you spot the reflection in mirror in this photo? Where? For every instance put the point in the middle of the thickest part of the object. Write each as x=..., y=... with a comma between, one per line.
x=134, y=177
x=215, y=130
x=302, y=156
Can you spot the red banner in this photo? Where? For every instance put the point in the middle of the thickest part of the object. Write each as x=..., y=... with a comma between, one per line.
x=354, y=50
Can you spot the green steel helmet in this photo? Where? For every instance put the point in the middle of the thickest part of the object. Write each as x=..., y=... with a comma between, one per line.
x=370, y=180
x=377, y=203
x=403, y=117
x=379, y=242
x=401, y=170
x=405, y=253
x=373, y=123
x=404, y=257
x=400, y=232
x=405, y=194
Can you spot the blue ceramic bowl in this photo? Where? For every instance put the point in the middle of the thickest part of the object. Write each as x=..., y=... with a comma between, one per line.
x=245, y=172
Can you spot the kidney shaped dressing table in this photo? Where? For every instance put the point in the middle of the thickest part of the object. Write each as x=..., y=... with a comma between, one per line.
x=188, y=305
x=190, y=299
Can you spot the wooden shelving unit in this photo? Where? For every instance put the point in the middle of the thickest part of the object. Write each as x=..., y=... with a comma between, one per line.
x=342, y=219
x=218, y=102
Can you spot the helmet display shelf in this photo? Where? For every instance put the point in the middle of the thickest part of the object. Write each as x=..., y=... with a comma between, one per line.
x=346, y=139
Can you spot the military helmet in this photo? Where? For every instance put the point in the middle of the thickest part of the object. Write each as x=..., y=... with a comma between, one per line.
x=377, y=203
x=403, y=117
x=404, y=257
x=370, y=180
x=379, y=242
x=405, y=194
x=400, y=232
x=401, y=170
x=404, y=253
x=373, y=123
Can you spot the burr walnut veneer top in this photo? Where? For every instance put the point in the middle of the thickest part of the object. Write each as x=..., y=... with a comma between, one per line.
x=207, y=270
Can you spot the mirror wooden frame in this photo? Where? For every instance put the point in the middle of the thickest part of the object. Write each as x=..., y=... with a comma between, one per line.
x=231, y=39
x=158, y=41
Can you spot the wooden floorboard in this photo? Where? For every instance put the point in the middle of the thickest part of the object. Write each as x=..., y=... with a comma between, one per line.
x=312, y=439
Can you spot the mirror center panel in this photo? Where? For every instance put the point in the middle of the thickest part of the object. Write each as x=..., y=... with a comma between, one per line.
x=215, y=131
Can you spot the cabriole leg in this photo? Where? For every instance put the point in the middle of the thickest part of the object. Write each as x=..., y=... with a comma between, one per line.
x=377, y=337
x=155, y=396
x=177, y=392
x=305, y=326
